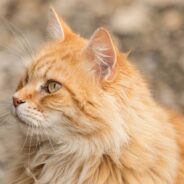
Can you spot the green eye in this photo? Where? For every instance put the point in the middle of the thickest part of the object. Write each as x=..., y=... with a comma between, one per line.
x=53, y=86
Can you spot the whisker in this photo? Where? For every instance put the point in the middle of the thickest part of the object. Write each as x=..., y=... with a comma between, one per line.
x=50, y=141
x=3, y=120
x=4, y=104
x=7, y=103
x=27, y=135
x=11, y=51
x=37, y=145
x=40, y=139
x=24, y=38
x=24, y=43
x=29, y=149
x=4, y=114
x=45, y=132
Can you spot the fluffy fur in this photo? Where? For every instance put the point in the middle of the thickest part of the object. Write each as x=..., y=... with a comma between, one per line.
x=101, y=127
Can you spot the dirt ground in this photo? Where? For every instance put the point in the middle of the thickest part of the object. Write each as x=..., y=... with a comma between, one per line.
x=152, y=30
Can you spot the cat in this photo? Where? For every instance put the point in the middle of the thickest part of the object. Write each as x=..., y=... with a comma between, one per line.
x=88, y=117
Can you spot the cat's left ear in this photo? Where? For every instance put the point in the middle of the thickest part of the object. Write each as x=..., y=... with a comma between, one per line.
x=101, y=53
x=57, y=28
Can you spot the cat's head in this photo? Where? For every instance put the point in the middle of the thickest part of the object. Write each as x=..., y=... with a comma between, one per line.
x=67, y=91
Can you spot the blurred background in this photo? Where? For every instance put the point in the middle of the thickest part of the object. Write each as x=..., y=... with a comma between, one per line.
x=151, y=30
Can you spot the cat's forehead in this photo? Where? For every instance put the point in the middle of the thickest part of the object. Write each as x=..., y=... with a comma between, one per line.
x=52, y=62
x=57, y=58
x=46, y=66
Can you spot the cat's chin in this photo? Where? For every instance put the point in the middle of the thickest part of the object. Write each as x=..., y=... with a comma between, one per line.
x=28, y=130
x=21, y=122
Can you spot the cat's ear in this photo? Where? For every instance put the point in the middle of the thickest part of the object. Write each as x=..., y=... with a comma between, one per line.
x=102, y=53
x=57, y=28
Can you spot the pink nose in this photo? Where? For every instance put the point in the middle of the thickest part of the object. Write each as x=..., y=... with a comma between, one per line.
x=17, y=102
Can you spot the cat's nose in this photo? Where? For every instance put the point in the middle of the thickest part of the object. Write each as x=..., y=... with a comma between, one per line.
x=17, y=101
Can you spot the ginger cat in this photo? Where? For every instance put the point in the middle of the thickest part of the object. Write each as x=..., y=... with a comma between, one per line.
x=89, y=118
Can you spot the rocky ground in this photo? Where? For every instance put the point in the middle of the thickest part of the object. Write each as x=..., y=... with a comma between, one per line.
x=152, y=30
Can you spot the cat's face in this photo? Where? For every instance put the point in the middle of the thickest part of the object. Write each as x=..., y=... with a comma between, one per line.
x=61, y=92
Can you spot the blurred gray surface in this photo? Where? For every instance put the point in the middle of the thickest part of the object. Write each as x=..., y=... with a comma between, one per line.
x=153, y=30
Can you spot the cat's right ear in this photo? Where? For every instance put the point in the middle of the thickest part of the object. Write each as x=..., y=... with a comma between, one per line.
x=57, y=28
x=101, y=53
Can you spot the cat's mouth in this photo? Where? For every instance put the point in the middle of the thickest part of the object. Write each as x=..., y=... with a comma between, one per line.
x=17, y=118
x=28, y=116
x=24, y=123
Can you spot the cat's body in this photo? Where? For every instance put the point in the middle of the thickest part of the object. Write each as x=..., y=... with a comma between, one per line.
x=110, y=129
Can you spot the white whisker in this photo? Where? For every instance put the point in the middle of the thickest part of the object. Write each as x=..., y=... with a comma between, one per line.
x=27, y=134
x=12, y=51
x=45, y=132
x=23, y=42
x=29, y=149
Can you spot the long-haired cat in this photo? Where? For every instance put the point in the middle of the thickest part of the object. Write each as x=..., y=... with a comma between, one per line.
x=88, y=118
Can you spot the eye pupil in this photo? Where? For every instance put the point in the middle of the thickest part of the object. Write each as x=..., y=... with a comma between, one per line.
x=52, y=86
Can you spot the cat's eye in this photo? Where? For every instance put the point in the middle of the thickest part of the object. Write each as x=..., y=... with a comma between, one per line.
x=52, y=86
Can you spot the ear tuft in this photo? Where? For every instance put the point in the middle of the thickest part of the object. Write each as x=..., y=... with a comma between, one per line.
x=58, y=29
x=54, y=27
x=101, y=52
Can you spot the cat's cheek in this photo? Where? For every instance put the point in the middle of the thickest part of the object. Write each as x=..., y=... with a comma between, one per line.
x=29, y=116
x=57, y=125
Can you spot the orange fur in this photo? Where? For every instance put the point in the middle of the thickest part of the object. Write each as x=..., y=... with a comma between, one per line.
x=104, y=126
